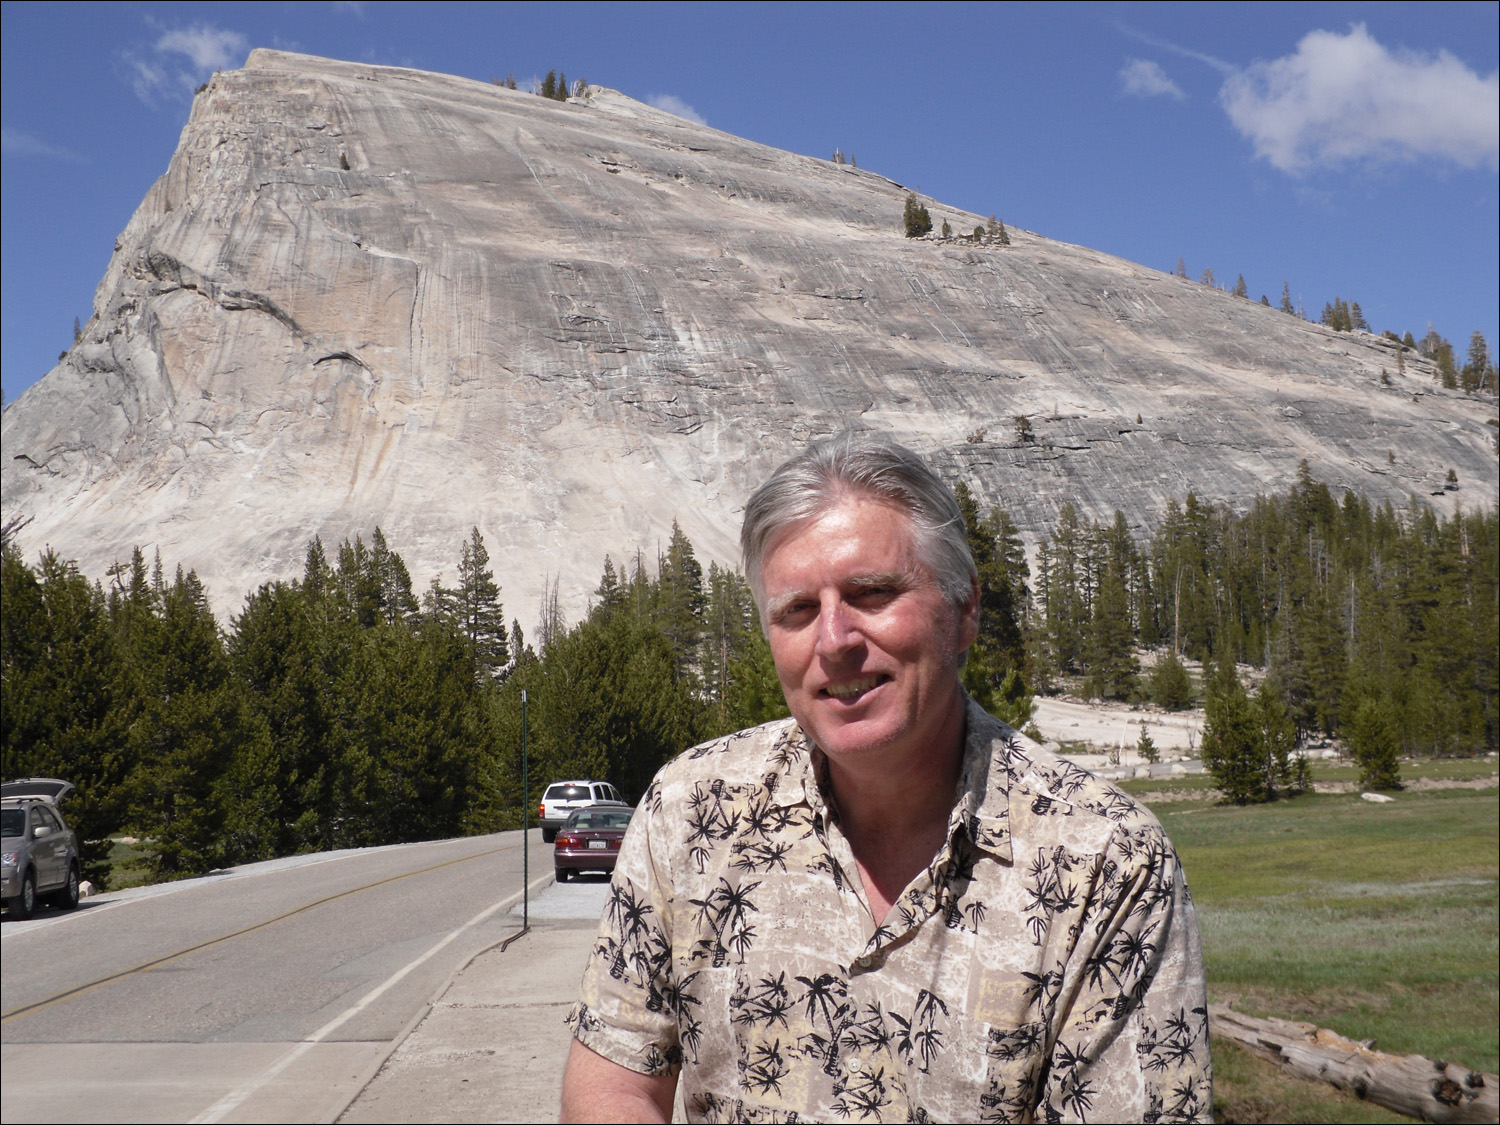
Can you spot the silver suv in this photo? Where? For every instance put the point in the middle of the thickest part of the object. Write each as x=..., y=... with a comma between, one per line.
x=562, y=797
x=40, y=851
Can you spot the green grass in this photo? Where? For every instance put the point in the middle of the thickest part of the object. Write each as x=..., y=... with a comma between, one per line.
x=1378, y=921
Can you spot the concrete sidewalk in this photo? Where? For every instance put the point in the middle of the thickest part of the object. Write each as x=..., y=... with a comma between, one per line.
x=493, y=1044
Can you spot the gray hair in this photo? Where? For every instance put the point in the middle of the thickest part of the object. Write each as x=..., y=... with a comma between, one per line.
x=861, y=464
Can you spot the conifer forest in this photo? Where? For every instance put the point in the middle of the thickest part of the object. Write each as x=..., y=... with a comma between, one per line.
x=344, y=709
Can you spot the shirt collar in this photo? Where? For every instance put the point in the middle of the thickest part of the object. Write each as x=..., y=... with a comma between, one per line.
x=982, y=809
x=983, y=805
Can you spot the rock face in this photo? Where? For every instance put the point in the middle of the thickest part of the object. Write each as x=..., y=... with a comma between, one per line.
x=364, y=295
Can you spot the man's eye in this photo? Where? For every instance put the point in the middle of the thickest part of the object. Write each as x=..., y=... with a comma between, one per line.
x=792, y=612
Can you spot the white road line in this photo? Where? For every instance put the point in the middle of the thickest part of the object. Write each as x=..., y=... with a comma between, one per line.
x=235, y=1098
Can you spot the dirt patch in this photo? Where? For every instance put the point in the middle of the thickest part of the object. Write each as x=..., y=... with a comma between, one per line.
x=1064, y=719
x=1413, y=785
x=1416, y=784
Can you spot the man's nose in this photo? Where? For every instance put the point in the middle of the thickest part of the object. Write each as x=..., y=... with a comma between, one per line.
x=837, y=630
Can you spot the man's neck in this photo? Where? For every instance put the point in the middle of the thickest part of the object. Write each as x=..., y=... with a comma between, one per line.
x=895, y=815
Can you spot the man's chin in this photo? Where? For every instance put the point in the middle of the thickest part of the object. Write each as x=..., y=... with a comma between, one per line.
x=849, y=736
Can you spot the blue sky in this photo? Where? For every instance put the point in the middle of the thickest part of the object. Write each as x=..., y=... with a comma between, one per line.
x=1346, y=149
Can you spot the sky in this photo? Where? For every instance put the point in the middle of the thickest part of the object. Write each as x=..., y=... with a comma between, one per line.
x=1346, y=150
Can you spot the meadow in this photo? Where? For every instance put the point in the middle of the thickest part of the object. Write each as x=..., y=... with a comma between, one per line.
x=1378, y=921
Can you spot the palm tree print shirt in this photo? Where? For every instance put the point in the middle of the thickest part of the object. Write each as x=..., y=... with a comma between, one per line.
x=1045, y=966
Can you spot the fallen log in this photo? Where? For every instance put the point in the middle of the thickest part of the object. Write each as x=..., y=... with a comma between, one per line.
x=1415, y=1085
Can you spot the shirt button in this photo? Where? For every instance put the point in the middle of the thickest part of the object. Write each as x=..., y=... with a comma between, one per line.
x=854, y=1065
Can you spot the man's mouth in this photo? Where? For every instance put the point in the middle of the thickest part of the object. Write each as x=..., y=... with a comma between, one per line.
x=853, y=689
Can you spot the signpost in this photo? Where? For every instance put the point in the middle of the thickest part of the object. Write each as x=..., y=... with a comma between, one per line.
x=525, y=827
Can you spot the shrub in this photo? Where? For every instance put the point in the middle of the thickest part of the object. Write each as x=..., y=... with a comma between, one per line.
x=1171, y=689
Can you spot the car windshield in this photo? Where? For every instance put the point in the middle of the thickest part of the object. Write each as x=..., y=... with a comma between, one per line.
x=600, y=818
x=13, y=822
x=568, y=793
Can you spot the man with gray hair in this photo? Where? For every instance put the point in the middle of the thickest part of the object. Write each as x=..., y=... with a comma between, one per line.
x=890, y=907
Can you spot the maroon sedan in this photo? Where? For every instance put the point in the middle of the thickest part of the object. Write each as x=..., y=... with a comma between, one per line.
x=589, y=840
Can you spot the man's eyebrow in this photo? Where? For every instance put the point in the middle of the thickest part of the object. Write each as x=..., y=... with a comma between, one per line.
x=900, y=580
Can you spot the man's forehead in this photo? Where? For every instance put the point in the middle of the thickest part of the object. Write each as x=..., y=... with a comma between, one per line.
x=858, y=512
x=860, y=541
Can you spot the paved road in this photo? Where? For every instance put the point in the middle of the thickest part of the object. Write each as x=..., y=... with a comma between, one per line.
x=269, y=993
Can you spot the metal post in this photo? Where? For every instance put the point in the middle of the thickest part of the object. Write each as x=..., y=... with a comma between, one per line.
x=525, y=826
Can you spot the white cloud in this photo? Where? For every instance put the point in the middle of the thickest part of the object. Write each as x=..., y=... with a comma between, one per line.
x=675, y=105
x=1186, y=52
x=14, y=142
x=209, y=48
x=1143, y=78
x=1345, y=97
x=182, y=59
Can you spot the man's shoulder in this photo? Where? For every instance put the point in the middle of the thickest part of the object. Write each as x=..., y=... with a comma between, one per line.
x=761, y=755
x=1038, y=775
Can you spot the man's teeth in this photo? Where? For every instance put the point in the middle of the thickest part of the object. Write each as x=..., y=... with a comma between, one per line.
x=851, y=688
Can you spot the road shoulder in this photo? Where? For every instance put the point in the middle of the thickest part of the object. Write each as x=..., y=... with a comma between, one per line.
x=493, y=1045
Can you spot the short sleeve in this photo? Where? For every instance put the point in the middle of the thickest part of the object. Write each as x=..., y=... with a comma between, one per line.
x=627, y=1006
x=1133, y=1041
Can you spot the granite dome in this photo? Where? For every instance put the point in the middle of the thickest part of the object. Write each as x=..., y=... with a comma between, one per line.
x=365, y=295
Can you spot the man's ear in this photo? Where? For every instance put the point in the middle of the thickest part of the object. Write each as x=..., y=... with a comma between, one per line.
x=968, y=617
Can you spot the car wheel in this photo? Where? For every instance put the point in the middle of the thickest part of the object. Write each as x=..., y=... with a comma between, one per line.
x=562, y=873
x=67, y=898
x=548, y=835
x=24, y=904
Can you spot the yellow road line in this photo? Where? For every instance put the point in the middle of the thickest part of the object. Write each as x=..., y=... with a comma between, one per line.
x=77, y=990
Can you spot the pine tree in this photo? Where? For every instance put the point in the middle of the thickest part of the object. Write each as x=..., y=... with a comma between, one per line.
x=682, y=601
x=998, y=650
x=754, y=695
x=1146, y=747
x=1171, y=688
x=1476, y=370
x=286, y=654
x=1067, y=594
x=1233, y=749
x=728, y=620
x=1278, y=736
x=391, y=581
x=481, y=619
x=1110, y=657
x=549, y=85
x=1375, y=745
x=551, y=625
x=192, y=723
x=1181, y=270
x=1240, y=289
x=915, y=218
x=1286, y=305
x=610, y=594
x=65, y=703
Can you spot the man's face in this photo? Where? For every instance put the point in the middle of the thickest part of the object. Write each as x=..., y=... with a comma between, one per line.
x=865, y=645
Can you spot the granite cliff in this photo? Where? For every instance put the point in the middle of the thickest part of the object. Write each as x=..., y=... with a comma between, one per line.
x=365, y=295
